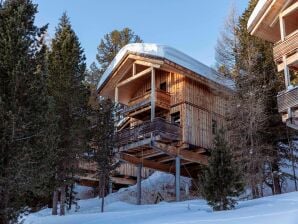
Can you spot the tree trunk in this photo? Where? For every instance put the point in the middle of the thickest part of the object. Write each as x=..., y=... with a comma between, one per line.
x=102, y=194
x=276, y=181
x=55, y=202
x=62, y=201
x=70, y=196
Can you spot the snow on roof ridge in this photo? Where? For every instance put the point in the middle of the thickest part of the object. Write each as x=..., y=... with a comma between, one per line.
x=167, y=52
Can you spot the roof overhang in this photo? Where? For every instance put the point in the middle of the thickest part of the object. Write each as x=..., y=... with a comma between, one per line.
x=158, y=55
x=264, y=20
x=107, y=88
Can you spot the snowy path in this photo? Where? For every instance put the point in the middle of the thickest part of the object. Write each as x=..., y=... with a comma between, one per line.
x=281, y=209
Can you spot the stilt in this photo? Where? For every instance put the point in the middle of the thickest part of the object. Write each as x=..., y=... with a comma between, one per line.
x=110, y=186
x=177, y=182
x=139, y=180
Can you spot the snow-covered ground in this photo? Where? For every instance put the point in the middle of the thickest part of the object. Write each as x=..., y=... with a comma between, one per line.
x=280, y=209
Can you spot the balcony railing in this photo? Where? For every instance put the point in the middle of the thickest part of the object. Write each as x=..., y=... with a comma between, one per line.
x=287, y=99
x=147, y=129
x=162, y=100
x=287, y=47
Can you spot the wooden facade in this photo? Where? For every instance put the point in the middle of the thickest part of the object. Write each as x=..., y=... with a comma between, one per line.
x=277, y=21
x=124, y=175
x=166, y=111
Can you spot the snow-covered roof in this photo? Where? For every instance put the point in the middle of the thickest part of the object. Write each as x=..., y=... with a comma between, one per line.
x=169, y=53
x=261, y=5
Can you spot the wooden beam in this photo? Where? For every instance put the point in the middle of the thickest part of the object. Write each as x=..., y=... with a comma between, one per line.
x=116, y=94
x=134, y=69
x=145, y=63
x=149, y=153
x=133, y=145
x=290, y=9
x=153, y=94
x=286, y=71
x=184, y=154
x=282, y=28
x=165, y=159
x=146, y=163
x=136, y=76
x=122, y=180
x=285, y=5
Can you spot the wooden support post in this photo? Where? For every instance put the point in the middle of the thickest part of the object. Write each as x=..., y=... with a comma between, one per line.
x=152, y=94
x=116, y=94
x=177, y=180
x=282, y=28
x=134, y=69
x=286, y=71
x=139, y=183
x=110, y=186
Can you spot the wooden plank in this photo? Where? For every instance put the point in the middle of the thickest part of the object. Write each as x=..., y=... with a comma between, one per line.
x=184, y=154
x=153, y=94
x=136, y=76
x=146, y=163
x=133, y=145
x=145, y=63
x=290, y=9
x=123, y=180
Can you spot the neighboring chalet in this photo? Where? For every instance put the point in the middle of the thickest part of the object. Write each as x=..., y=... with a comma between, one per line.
x=170, y=106
x=277, y=21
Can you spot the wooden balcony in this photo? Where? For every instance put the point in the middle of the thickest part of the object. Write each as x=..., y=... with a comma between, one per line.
x=287, y=99
x=287, y=47
x=142, y=103
x=143, y=133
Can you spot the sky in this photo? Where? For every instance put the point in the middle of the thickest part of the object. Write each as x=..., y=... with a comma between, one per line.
x=191, y=26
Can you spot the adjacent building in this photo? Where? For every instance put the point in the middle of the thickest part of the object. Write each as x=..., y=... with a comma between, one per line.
x=277, y=21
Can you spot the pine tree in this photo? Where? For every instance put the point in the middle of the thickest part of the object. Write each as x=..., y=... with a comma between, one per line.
x=254, y=123
x=23, y=107
x=102, y=143
x=222, y=179
x=66, y=65
x=112, y=43
x=108, y=48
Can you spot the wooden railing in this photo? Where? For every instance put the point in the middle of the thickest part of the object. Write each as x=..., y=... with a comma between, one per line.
x=162, y=99
x=287, y=99
x=287, y=47
x=148, y=129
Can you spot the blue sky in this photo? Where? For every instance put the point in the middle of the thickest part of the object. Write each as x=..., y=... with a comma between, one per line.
x=191, y=26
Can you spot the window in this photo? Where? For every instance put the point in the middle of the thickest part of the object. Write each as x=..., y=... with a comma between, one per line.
x=163, y=86
x=175, y=118
x=214, y=127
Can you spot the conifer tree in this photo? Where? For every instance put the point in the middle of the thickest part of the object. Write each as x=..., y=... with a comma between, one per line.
x=253, y=120
x=222, y=180
x=112, y=43
x=102, y=142
x=23, y=107
x=109, y=46
x=66, y=65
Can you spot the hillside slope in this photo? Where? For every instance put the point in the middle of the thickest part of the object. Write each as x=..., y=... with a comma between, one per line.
x=279, y=209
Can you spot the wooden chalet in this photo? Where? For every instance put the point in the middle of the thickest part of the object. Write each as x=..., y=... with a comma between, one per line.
x=170, y=106
x=277, y=21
